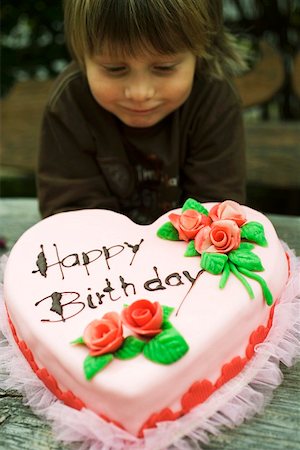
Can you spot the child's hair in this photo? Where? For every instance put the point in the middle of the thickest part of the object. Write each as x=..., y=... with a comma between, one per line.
x=130, y=27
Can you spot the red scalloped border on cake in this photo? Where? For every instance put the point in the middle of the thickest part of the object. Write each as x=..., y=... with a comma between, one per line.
x=49, y=381
x=201, y=390
x=198, y=393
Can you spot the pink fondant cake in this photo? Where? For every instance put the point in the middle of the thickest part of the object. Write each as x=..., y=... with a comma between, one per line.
x=142, y=323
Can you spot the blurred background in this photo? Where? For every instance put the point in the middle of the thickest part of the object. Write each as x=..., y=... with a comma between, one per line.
x=33, y=53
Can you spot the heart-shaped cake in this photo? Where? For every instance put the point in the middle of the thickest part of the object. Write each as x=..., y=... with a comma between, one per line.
x=142, y=323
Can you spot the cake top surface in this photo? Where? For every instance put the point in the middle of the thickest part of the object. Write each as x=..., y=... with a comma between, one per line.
x=79, y=284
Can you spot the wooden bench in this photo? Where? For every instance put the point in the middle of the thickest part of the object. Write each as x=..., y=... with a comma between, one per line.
x=261, y=83
x=21, y=117
x=273, y=154
x=273, y=166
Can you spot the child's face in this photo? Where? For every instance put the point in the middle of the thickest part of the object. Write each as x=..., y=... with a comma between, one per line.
x=141, y=91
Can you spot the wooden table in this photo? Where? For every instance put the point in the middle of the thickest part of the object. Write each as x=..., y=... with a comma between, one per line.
x=276, y=429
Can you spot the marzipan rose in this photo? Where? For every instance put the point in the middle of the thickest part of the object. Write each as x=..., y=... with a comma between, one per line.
x=222, y=237
x=225, y=236
x=202, y=240
x=143, y=317
x=104, y=335
x=189, y=223
x=228, y=210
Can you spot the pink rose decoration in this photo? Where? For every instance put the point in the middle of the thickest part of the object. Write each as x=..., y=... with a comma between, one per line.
x=189, y=223
x=104, y=335
x=228, y=210
x=225, y=236
x=143, y=317
x=222, y=237
x=203, y=240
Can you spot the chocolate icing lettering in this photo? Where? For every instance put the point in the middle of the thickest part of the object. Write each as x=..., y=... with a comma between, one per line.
x=73, y=263
x=43, y=265
x=108, y=255
x=176, y=276
x=157, y=282
x=193, y=281
x=135, y=248
x=84, y=259
x=90, y=301
x=74, y=302
x=100, y=297
x=154, y=281
x=41, y=262
x=109, y=289
x=125, y=285
x=189, y=277
x=87, y=260
x=58, y=307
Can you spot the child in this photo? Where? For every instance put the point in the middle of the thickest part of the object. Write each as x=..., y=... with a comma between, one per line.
x=146, y=115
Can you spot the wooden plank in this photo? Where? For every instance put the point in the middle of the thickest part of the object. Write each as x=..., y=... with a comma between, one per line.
x=273, y=154
x=266, y=78
x=288, y=230
x=21, y=117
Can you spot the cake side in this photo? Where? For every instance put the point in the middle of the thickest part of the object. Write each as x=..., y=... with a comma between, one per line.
x=216, y=323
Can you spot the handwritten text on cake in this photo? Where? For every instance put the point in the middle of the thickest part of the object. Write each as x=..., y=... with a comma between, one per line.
x=68, y=304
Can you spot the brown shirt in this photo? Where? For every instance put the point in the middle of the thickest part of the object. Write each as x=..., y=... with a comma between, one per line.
x=90, y=159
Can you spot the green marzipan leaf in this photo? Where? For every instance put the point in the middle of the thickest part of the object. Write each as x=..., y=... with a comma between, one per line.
x=93, y=364
x=78, y=341
x=167, y=311
x=247, y=246
x=246, y=259
x=190, y=249
x=266, y=291
x=166, y=348
x=254, y=231
x=225, y=276
x=166, y=325
x=190, y=203
x=242, y=279
x=213, y=262
x=168, y=231
x=131, y=347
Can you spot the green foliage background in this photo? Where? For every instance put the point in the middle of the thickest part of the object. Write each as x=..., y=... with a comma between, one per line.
x=32, y=40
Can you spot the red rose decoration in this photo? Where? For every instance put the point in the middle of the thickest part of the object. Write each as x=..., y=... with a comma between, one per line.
x=228, y=210
x=143, y=317
x=104, y=335
x=225, y=236
x=189, y=223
